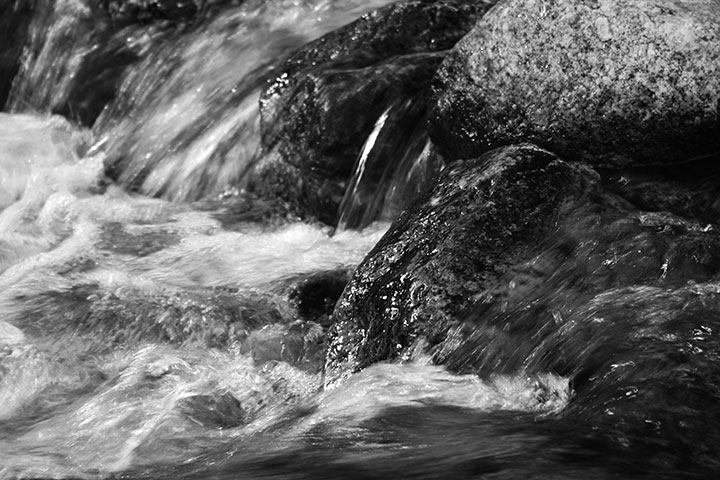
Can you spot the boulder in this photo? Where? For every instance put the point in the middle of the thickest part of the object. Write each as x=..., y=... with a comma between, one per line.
x=330, y=94
x=217, y=409
x=610, y=82
x=449, y=251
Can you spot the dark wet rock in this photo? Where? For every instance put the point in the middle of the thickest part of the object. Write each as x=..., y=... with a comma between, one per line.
x=329, y=95
x=642, y=362
x=449, y=249
x=217, y=409
x=15, y=17
x=316, y=294
x=613, y=83
x=691, y=190
x=599, y=247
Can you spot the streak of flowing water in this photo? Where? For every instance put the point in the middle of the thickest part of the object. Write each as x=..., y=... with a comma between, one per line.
x=395, y=165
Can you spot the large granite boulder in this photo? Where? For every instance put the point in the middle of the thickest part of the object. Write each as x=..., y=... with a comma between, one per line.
x=488, y=267
x=610, y=82
x=329, y=95
x=449, y=251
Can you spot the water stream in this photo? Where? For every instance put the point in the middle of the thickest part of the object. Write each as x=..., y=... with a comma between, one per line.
x=146, y=325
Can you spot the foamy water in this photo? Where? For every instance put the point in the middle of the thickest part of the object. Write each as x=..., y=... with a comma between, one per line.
x=92, y=278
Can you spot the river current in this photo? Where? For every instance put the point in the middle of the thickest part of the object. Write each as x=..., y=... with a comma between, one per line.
x=146, y=329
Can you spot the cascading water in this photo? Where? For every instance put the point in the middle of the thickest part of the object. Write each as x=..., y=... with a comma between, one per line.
x=412, y=168
x=152, y=324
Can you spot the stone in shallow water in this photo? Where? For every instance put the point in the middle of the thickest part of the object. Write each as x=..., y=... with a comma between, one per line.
x=217, y=409
x=610, y=82
x=448, y=249
x=329, y=95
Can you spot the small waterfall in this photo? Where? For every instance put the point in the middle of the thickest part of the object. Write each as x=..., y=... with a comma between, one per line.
x=61, y=34
x=177, y=103
x=185, y=123
x=395, y=164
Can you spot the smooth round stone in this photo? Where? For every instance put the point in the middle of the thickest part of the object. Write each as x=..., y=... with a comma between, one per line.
x=611, y=82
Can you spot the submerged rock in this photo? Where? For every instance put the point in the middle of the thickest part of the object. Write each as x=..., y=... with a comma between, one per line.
x=316, y=294
x=105, y=318
x=216, y=409
x=448, y=250
x=613, y=83
x=691, y=190
x=330, y=94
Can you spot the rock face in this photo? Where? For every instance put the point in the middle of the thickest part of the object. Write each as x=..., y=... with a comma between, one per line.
x=610, y=82
x=329, y=95
x=449, y=251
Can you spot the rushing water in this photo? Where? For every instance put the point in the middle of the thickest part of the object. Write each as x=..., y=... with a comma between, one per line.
x=146, y=322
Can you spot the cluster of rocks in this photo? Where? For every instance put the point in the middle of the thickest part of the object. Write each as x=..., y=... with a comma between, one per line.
x=329, y=94
x=573, y=229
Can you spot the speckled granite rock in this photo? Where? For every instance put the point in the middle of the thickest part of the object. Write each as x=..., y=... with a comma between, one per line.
x=610, y=82
x=449, y=248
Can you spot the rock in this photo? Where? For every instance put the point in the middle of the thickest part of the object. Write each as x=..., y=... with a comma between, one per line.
x=329, y=95
x=316, y=294
x=642, y=361
x=600, y=254
x=449, y=250
x=610, y=82
x=217, y=409
x=691, y=190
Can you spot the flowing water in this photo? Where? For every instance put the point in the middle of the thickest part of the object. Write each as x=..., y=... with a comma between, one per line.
x=146, y=324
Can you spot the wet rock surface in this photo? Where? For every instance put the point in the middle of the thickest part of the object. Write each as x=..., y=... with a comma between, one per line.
x=316, y=294
x=329, y=95
x=217, y=409
x=520, y=262
x=613, y=83
x=448, y=250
